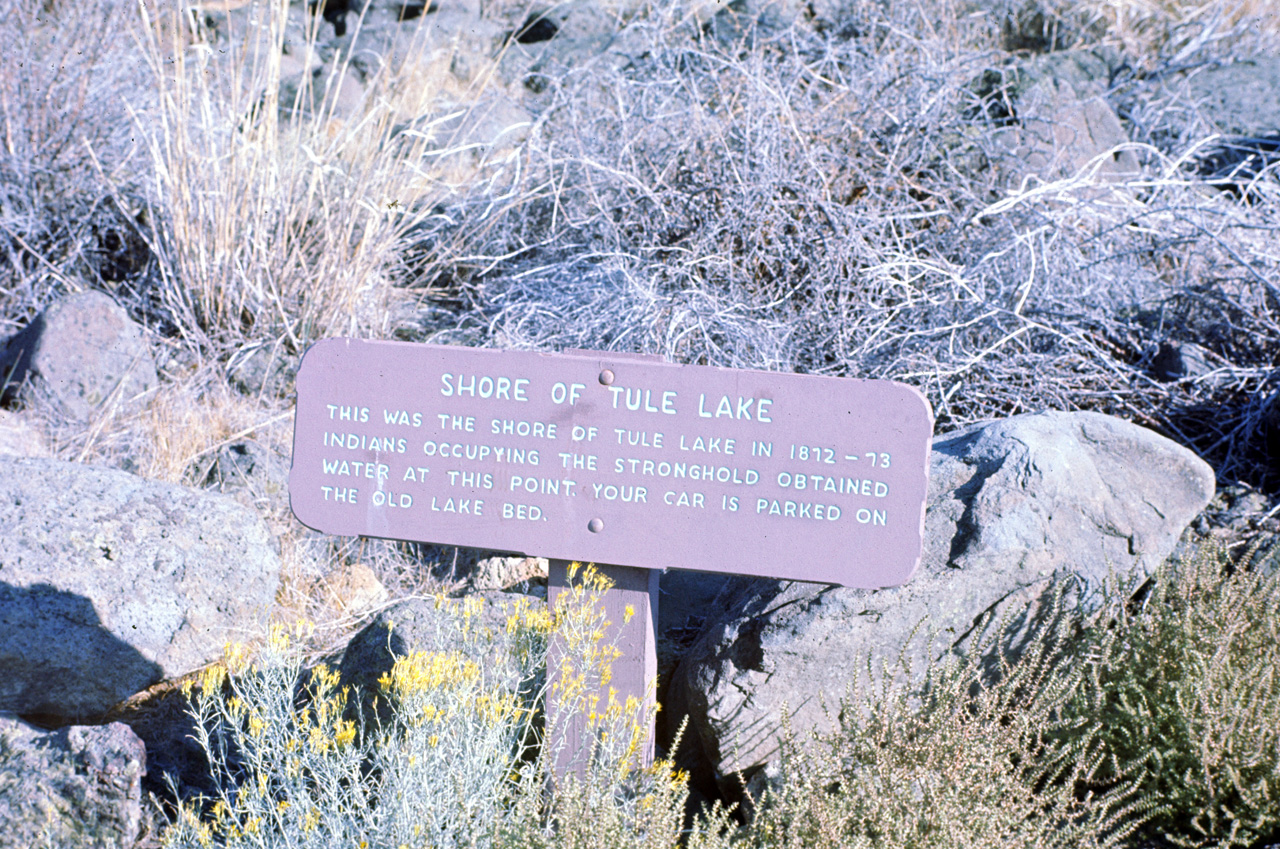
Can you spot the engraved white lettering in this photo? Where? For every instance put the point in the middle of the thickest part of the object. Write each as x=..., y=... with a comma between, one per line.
x=629, y=494
x=484, y=386
x=798, y=509
x=348, y=414
x=542, y=486
x=571, y=460
x=638, y=438
x=469, y=506
x=683, y=499
x=528, y=512
x=364, y=442
x=402, y=417
x=708, y=445
x=511, y=427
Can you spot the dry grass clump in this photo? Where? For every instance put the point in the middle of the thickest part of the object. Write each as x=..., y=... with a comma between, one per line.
x=63, y=140
x=286, y=197
x=1150, y=28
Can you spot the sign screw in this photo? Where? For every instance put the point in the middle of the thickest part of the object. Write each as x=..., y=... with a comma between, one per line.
x=606, y=377
x=595, y=526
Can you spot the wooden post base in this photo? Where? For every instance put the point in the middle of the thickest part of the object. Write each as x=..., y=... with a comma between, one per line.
x=635, y=671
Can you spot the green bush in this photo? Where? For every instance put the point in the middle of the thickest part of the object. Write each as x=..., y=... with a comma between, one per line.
x=978, y=760
x=1183, y=691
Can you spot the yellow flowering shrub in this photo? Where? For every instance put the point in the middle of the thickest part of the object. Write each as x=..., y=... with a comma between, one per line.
x=465, y=758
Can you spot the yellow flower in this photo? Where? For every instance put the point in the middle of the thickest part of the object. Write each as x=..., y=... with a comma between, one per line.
x=212, y=678
x=344, y=732
x=278, y=638
x=256, y=725
x=236, y=657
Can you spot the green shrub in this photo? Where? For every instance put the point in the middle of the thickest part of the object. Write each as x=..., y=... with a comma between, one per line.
x=979, y=760
x=1184, y=694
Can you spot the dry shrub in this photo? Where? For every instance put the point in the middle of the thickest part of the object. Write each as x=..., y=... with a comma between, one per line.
x=63, y=129
x=837, y=200
x=1149, y=29
x=190, y=419
x=284, y=208
x=455, y=759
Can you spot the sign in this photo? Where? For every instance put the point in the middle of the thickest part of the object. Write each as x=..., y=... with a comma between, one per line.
x=613, y=459
x=625, y=461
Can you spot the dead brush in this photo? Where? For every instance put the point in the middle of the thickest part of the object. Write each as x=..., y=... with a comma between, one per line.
x=283, y=217
x=835, y=200
x=61, y=126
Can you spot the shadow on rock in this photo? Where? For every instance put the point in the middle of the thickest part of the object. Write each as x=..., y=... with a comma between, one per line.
x=60, y=663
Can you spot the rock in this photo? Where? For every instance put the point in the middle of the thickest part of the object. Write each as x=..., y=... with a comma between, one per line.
x=1242, y=96
x=337, y=94
x=1013, y=506
x=1175, y=360
x=263, y=371
x=464, y=136
x=109, y=583
x=351, y=589
x=1064, y=119
x=253, y=474
x=83, y=352
x=687, y=603
x=75, y=787
x=18, y=438
x=1243, y=165
x=500, y=573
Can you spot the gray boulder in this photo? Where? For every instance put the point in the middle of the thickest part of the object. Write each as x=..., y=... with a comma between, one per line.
x=19, y=438
x=1013, y=506
x=75, y=787
x=501, y=573
x=263, y=371
x=110, y=583
x=84, y=353
x=1065, y=123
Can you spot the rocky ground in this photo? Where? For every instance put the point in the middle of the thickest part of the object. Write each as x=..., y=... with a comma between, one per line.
x=1059, y=222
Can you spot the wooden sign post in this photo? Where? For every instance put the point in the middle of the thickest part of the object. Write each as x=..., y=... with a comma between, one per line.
x=624, y=461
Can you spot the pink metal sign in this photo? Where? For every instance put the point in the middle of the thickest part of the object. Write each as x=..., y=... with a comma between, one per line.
x=613, y=458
